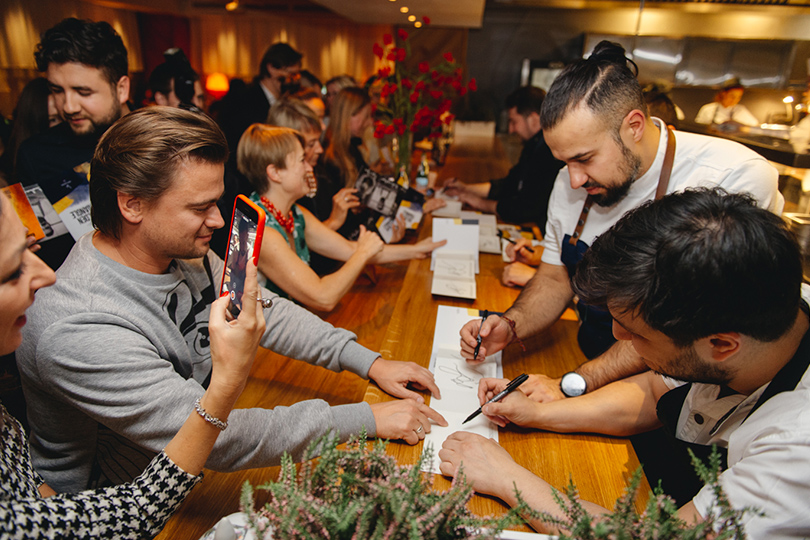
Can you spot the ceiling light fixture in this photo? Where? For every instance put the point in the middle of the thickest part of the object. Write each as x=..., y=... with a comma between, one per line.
x=412, y=18
x=403, y=9
x=418, y=24
x=232, y=5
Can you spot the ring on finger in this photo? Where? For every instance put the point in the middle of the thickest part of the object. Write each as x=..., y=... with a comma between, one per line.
x=419, y=429
x=266, y=302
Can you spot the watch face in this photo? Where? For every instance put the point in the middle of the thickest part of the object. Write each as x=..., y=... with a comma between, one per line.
x=573, y=384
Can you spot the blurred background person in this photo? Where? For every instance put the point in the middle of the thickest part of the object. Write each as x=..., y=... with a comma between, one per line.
x=35, y=112
x=333, y=88
x=307, y=79
x=174, y=83
x=344, y=159
x=726, y=107
x=522, y=195
x=279, y=69
x=661, y=106
x=312, y=98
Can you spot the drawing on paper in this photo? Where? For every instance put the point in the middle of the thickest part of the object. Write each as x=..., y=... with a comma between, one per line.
x=456, y=374
x=461, y=380
x=454, y=268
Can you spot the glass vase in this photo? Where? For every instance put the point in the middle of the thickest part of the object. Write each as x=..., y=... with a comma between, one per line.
x=402, y=149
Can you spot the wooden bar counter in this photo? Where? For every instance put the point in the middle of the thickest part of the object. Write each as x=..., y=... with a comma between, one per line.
x=396, y=316
x=599, y=466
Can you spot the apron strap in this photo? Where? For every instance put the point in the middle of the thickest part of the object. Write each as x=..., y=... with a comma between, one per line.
x=583, y=217
x=666, y=168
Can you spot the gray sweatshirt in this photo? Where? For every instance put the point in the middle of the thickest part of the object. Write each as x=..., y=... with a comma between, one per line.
x=113, y=359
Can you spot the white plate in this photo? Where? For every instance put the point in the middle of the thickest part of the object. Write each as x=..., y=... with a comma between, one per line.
x=233, y=527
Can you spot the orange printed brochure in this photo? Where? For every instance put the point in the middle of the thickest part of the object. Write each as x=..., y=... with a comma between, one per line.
x=16, y=195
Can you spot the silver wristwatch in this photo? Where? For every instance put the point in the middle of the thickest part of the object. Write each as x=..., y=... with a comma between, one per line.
x=573, y=384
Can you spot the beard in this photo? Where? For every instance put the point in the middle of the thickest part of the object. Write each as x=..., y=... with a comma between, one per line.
x=98, y=126
x=629, y=169
x=690, y=368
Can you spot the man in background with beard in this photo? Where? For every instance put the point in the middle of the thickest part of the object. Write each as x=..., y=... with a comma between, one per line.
x=86, y=65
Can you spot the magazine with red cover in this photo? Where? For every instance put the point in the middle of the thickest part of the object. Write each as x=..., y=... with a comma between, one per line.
x=22, y=206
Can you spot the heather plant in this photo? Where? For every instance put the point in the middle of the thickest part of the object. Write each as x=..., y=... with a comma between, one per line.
x=360, y=492
x=659, y=521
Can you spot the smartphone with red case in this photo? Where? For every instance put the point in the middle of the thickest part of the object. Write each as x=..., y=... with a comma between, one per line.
x=244, y=242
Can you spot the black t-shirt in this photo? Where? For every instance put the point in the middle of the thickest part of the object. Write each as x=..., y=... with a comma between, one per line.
x=45, y=159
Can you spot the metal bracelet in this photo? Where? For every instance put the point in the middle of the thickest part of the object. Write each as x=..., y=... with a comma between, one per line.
x=208, y=418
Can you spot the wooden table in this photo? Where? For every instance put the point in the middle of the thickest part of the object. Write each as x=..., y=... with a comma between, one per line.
x=599, y=466
x=396, y=316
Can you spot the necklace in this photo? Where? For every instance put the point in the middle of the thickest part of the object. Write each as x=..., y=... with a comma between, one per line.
x=286, y=222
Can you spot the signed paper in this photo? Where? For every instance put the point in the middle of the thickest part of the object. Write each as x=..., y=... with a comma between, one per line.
x=453, y=287
x=458, y=382
x=454, y=275
x=461, y=238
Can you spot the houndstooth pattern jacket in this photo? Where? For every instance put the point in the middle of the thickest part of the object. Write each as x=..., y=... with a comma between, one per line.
x=128, y=511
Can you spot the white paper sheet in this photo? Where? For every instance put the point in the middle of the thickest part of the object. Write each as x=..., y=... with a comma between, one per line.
x=460, y=239
x=452, y=209
x=457, y=288
x=458, y=381
x=489, y=244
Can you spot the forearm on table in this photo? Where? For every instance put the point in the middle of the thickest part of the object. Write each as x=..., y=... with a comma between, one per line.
x=619, y=362
x=537, y=493
x=331, y=288
x=621, y=409
x=480, y=189
x=259, y=437
x=395, y=253
x=487, y=206
x=541, y=302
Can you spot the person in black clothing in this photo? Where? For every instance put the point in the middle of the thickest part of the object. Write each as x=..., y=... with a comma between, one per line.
x=522, y=196
x=174, y=83
x=86, y=65
x=279, y=67
x=35, y=112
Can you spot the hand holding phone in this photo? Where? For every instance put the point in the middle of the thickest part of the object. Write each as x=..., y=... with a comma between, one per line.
x=244, y=243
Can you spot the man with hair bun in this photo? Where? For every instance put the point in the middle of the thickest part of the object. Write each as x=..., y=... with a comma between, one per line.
x=617, y=157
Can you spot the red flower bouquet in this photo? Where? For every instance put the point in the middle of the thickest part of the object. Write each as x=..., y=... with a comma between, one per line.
x=415, y=101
